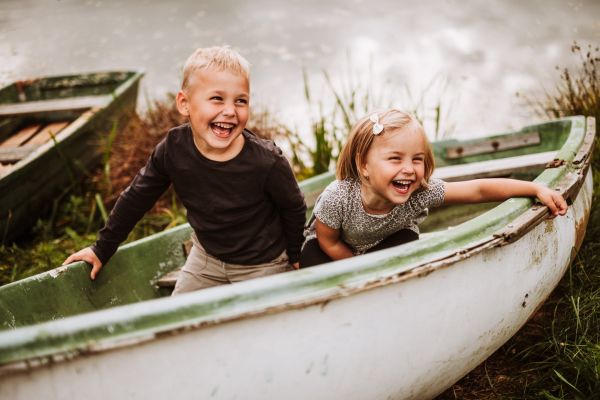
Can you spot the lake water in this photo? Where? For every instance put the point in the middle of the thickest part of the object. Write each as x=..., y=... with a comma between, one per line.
x=470, y=56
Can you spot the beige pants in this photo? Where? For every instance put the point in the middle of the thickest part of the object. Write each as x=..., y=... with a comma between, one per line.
x=201, y=270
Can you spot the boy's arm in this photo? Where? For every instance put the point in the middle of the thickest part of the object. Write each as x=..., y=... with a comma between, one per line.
x=330, y=241
x=139, y=197
x=498, y=189
x=283, y=188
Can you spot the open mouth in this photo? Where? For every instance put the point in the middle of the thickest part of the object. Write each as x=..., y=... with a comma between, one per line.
x=402, y=185
x=222, y=129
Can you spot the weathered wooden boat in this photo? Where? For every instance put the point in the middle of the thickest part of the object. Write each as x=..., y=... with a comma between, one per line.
x=402, y=323
x=52, y=130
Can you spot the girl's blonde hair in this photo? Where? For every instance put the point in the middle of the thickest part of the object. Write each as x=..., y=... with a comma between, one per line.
x=354, y=152
x=223, y=58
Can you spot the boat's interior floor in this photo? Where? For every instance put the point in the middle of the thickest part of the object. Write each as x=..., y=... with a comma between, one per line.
x=24, y=126
x=30, y=136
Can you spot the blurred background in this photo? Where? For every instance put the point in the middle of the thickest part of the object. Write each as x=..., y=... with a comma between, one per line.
x=461, y=62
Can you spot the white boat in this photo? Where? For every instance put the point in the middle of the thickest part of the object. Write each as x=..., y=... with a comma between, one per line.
x=402, y=323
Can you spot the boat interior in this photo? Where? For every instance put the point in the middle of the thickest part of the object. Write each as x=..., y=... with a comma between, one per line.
x=147, y=269
x=22, y=135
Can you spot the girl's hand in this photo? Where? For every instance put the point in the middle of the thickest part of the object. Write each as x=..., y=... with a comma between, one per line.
x=553, y=200
x=89, y=257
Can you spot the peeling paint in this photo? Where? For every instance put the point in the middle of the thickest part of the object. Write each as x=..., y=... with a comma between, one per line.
x=57, y=271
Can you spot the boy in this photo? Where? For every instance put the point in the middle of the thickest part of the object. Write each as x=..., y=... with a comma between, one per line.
x=241, y=196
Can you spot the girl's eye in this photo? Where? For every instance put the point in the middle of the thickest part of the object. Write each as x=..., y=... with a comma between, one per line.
x=418, y=160
x=242, y=101
x=216, y=98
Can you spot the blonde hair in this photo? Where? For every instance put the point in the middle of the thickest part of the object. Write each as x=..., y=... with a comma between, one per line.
x=223, y=58
x=354, y=152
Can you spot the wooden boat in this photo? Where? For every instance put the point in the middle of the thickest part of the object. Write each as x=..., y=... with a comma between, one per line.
x=402, y=323
x=52, y=130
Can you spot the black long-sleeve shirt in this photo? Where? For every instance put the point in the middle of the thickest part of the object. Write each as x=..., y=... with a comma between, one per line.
x=246, y=210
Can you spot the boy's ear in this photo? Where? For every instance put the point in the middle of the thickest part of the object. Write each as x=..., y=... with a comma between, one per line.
x=182, y=102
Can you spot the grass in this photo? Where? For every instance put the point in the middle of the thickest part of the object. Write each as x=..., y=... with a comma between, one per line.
x=556, y=355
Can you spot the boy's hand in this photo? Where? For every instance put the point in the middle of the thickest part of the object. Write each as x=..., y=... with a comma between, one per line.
x=89, y=257
x=553, y=200
x=296, y=265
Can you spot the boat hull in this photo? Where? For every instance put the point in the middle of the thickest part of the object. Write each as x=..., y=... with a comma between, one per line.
x=352, y=347
x=401, y=323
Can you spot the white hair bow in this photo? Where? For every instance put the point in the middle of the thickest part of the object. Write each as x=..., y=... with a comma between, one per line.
x=377, y=127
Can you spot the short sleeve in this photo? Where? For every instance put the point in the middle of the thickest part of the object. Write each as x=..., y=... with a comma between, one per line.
x=328, y=208
x=432, y=196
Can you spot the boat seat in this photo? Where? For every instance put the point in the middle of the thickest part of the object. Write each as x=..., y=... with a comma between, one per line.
x=493, y=145
x=168, y=280
x=494, y=168
x=45, y=106
x=22, y=143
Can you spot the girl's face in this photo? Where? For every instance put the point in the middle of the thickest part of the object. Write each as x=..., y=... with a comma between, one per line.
x=395, y=167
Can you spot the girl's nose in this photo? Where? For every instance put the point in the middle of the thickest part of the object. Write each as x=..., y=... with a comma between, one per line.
x=408, y=168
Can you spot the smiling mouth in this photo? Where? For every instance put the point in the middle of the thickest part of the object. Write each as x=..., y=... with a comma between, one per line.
x=222, y=129
x=402, y=185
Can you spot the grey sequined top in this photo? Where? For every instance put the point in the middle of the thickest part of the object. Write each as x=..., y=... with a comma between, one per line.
x=340, y=207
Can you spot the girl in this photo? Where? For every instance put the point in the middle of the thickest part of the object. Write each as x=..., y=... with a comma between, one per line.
x=384, y=189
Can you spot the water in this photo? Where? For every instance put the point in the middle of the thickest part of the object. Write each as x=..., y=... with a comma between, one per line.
x=474, y=55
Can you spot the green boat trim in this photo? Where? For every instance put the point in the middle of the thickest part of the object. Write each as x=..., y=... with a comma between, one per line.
x=128, y=324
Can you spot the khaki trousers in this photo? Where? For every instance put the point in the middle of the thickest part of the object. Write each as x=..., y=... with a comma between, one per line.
x=201, y=270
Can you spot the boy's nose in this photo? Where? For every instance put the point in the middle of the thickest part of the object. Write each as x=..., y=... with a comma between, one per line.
x=228, y=110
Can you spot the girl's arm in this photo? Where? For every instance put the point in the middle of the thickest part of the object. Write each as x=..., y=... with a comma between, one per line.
x=330, y=241
x=498, y=189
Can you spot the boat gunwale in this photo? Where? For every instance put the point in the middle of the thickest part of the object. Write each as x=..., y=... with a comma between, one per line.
x=134, y=71
x=35, y=345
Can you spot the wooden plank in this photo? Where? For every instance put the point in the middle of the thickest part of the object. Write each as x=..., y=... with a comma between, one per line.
x=13, y=154
x=21, y=137
x=493, y=145
x=4, y=169
x=168, y=280
x=43, y=106
x=47, y=132
x=492, y=168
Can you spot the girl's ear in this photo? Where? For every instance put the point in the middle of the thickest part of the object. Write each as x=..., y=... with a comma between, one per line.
x=362, y=169
x=183, y=104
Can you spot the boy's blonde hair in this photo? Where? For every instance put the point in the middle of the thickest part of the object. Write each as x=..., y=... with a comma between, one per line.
x=354, y=152
x=223, y=58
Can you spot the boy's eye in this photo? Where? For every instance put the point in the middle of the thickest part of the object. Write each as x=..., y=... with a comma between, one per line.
x=418, y=160
x=217, y=98
x=242, y=101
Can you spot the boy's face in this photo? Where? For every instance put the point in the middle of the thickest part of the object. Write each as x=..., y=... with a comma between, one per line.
x=217, y=104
